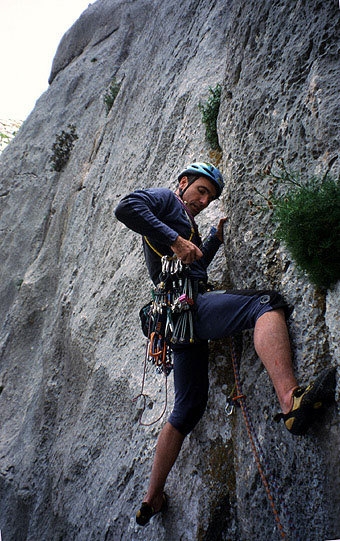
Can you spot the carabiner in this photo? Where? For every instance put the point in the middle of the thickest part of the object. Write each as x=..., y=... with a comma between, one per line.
x=230, y=406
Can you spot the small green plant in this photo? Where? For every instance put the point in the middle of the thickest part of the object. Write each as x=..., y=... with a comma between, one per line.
x=209, y=111
x=111, y=94
x=307, y=220
x=62, y=148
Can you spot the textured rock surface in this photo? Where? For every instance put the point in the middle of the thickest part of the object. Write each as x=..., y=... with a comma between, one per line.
x=74, y=460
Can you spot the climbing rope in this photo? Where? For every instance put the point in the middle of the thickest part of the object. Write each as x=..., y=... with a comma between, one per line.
x=255, y=444
x=144, y=396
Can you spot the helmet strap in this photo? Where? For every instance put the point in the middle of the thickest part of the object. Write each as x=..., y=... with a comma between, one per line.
x=182, y=192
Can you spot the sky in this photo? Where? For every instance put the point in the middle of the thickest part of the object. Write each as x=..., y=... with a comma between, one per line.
x=30, y=31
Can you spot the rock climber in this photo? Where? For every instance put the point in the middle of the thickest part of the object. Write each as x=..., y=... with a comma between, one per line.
x=166, y=220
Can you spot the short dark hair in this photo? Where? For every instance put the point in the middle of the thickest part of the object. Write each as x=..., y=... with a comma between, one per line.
x=191, y=178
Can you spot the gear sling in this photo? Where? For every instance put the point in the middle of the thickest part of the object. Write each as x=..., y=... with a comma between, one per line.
x=167, y=320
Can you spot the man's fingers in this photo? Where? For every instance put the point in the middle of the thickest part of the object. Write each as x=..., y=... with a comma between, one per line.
x=186, y=251
x=193, y=254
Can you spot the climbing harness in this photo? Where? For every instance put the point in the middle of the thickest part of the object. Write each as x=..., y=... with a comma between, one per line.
x=167, y=321
x=240, y=399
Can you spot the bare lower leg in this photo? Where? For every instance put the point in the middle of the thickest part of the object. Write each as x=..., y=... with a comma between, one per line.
x=168, y=447
x=271, y=341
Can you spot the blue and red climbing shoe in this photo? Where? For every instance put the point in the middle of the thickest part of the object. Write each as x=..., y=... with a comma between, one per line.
x=309, y=403
x=146, y=512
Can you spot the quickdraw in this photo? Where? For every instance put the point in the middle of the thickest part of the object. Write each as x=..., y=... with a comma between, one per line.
x=170, y=320
x=170, y=314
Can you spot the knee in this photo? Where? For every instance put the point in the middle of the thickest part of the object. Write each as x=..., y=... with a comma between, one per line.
x=195, y=413
x=185, y=416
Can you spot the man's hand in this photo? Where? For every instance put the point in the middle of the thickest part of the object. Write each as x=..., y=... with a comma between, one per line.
x=186, y=251
x=219, y=232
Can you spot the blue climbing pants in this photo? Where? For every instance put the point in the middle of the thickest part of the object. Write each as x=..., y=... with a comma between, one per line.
x=217, y=315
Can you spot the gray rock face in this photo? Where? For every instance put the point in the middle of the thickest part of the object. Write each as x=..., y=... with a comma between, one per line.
x=74, y=460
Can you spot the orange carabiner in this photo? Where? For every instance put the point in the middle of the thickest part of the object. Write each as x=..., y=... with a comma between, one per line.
x=152, y=351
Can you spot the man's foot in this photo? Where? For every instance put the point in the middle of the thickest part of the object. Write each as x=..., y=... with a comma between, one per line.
x=146, y=512
x=309, y=403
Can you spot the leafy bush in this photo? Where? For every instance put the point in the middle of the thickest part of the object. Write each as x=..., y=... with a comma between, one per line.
x=111, y=94
x=62, y=148
x=209, y=111
x=307, y=220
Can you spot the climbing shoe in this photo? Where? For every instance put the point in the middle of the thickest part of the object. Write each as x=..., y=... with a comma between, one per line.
x=309, y=403
x=146, y=512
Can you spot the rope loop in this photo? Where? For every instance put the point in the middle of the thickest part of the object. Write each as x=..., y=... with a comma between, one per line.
x=144, y=396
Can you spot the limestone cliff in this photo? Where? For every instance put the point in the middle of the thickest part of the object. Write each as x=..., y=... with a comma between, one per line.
x=74, y=460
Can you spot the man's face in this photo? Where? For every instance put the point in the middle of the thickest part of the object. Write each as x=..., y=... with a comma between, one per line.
x=198, y=195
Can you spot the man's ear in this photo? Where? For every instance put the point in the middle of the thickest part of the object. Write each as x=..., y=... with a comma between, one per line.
x=183, y=183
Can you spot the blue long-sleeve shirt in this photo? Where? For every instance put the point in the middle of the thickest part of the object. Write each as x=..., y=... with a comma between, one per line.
x=161, y=216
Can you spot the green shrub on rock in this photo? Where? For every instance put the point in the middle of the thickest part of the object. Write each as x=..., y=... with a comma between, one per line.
x=209, y=111
x=307, y=220
x=111, y=94
x=62, y=148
